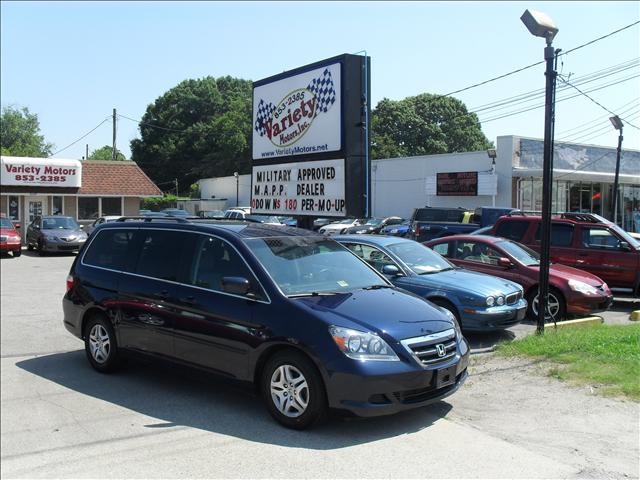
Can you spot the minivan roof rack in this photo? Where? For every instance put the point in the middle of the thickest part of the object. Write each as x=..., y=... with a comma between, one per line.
x=149, y=219
x=584, y=217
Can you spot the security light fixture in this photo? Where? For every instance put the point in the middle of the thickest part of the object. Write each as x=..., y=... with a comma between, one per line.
x=492, y=153
x=616, y=122
x=539, y=24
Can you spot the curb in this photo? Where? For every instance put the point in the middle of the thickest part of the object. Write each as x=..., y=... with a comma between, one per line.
x=578, y=322
x=477, y=351
x=635, y=316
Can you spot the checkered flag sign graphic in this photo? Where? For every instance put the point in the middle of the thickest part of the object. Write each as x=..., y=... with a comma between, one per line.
x=264, y=113
x=324, y=91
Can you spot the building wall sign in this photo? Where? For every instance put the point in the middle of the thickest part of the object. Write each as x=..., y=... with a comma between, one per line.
x=461, y=184
x=309, y=117
x=41, y=172
x=300, y=188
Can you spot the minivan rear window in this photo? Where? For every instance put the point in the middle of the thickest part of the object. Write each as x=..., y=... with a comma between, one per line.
x=109, y=249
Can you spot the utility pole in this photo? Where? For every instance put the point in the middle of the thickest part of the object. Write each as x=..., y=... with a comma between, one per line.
x=617, y=124
x=113, y=152
x=86, y=157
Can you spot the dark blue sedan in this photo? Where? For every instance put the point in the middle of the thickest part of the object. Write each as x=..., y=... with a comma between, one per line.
x=480, y=302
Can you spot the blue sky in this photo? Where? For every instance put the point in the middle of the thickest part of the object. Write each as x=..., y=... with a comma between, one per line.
x=72, y=62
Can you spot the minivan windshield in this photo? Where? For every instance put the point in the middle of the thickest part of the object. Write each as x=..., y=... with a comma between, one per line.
x=523, y=254
x=422, y=260
x=63, y=223
x=313, y=266
x=626, y=237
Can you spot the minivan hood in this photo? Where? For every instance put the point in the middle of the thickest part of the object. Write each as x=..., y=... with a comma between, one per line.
x=475, y=283
x=386, y=311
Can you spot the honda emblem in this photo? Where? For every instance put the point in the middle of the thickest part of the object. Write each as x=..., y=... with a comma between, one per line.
x=441, y=349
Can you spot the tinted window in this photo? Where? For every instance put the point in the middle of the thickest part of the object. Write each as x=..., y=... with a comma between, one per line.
x=215, y=259
x=160, y=254
x=438, y=215
x=561, y=234
x=513, y=230
x=109, y=249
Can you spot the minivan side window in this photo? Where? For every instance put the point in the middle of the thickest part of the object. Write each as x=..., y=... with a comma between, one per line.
x=109, y=249
x=160, y=254
x=561, y=234
x=214, y=259
x=513, y=230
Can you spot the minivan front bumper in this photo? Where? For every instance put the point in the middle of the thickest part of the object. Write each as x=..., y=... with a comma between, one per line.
x=382, y=388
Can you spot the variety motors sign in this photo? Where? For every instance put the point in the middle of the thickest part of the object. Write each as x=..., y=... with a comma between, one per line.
x=41, y=172
x=298, y=115
x=310, y=140
x=300, y=188
x=463, y=184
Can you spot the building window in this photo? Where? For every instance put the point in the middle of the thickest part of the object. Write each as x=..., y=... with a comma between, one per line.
x=88, y=208
x=14, y=207
x=111, y=206
x=56, y=207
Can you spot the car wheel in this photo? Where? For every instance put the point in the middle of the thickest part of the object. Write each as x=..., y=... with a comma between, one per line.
x=556, y=309
x=17, y=253
x=293, y=390
x=40, y=248
x=29, y=247
x=100, y=344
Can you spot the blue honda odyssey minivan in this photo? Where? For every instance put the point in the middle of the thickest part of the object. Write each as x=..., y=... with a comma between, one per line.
x=293, y=312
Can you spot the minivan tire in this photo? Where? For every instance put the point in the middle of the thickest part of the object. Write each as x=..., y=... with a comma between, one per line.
x=300, y=368
x=100, y=344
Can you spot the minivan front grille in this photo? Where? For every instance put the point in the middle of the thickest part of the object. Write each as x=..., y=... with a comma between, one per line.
x=513, y=298
x=434, y=349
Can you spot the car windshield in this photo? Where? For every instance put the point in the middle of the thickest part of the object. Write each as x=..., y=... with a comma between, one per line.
x=523, y=254
x=626, y=237
x=263, y=218
x=345, y=221
x=5, y=223
x=420, y=259
x=374, y=221
x=312, y=266
x=63, y=223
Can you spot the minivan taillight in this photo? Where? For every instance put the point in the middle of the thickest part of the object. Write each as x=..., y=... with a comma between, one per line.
x=69, y=282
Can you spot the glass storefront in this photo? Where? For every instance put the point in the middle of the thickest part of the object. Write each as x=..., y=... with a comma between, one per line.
x=585, y=197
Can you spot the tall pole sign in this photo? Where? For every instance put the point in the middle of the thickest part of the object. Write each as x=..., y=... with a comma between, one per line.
x=310, y=146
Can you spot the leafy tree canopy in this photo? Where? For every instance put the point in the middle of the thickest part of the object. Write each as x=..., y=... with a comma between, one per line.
x=106, y=153
x=200, y=128
x=20, y=134
x=424, y=125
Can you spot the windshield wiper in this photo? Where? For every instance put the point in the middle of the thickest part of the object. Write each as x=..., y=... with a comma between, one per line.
x=376, y=287
x=437, y=271
x=314, y=294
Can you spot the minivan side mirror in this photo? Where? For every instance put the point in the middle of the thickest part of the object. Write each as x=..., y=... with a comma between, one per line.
x=505, y=262
x=391, y=270
x=236, y=285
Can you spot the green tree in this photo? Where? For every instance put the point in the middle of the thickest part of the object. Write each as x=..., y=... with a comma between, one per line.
x=424, y=125
x=106, y=153
x=20, y=134
x=200, y=128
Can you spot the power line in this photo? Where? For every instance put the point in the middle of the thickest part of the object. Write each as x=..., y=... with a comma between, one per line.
x=595, y=101
x=540, y=62
x=599, y=126
x=151, y=124
x=601, y=117
x=83, y=136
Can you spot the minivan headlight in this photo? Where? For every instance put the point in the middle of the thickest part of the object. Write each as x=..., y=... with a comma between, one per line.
x=362, y=345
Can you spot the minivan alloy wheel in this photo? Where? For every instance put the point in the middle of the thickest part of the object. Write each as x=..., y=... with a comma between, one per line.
x=289, y=391
x=99, y=343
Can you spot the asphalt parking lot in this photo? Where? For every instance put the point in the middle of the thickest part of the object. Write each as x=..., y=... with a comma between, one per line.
x=61, y=419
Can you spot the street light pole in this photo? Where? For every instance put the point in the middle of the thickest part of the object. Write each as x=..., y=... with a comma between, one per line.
x=541, y=25
x=237, y=175
x=617, y=124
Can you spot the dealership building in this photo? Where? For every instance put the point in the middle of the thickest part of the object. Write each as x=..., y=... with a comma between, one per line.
x=84, y=190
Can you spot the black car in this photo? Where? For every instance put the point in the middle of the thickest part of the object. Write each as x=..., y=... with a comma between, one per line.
x=374, y=225
x=55, y=233
x=306, y=321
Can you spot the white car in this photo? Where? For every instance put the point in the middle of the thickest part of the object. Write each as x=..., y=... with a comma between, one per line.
x=99, y=221
x=339, y=227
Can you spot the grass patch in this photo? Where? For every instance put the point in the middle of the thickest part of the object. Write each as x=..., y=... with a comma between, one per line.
x=608, y=355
